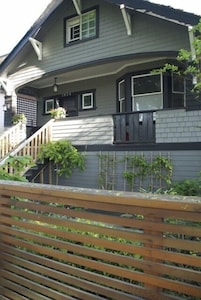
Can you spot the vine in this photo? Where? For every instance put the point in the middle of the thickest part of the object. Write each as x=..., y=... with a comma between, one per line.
x=139, y=169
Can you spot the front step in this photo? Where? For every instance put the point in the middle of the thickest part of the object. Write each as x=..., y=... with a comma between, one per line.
x=32, y=174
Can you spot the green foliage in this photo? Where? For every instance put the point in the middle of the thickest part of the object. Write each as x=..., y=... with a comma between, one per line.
x=138, y=167
x=19, y=118
x=188, y=187
x=162, y=168
x=58, y=113
x=189, y=62
x=18, y=165
x=64, y=155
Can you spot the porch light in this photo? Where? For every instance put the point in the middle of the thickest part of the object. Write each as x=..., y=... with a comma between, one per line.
x=7, y=105
x=55, y=86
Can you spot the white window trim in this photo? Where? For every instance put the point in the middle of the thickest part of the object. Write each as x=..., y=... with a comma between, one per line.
x=92, y=100
x=70, y=24
x=146, y=94
x=146, y=75
x=49, y=101
x=121, y=100
x=78, y=22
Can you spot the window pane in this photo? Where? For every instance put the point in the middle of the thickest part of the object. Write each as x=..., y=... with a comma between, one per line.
x=177, y=100
x=148, y=102
x=74, y=33
x=73, y=29
x=177, y=83
x=89, y=24
x=147, y=84
x=49, y=105
x=122, y=90
x=87, y=101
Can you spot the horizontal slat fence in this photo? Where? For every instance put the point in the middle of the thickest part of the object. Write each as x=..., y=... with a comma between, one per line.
x=69, y=243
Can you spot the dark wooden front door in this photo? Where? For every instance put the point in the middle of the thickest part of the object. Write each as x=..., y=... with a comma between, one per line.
x=70, y=103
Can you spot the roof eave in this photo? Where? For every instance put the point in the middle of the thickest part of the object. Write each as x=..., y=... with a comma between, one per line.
x=32, y=32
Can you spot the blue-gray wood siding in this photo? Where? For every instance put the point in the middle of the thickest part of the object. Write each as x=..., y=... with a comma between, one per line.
x=186, y=165
x=149, y=34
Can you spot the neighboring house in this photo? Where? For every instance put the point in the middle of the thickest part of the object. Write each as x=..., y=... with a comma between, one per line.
x=95, y=59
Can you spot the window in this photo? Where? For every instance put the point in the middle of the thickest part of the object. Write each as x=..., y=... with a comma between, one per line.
x=178, y=91
x=81, y=27
x=121, y=96
x=147, y=92
x=87, y=101
x=49, y=105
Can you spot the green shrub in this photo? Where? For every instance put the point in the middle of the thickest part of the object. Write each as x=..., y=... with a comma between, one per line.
x=64, y=155
x=188, y=187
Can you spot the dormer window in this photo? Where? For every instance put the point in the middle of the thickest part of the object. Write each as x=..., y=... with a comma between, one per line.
x=81, y=27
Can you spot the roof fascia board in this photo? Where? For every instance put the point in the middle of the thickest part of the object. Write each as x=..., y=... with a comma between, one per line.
x=150, y=13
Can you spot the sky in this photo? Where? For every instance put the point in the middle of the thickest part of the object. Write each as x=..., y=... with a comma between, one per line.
x=17, y=16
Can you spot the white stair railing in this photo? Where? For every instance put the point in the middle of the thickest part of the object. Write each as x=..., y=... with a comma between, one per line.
x=31, y=146
x=11, y=138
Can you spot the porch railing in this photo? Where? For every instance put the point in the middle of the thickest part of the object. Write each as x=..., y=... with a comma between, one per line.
x=69, y=243
x=11, y=138
x=134, y=127
x=31, y=146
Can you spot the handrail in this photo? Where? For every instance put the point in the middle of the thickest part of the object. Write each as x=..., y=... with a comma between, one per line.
x=31, y=146
x=11, y=138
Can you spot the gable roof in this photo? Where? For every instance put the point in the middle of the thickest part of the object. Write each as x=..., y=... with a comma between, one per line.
x=142, y=6
x=32, y=32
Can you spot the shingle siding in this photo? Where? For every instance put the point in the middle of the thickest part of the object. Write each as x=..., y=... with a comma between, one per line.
x=178, y=126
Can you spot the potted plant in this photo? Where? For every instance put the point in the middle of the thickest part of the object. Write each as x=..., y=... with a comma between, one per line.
x=17, y=118
x=58, y=113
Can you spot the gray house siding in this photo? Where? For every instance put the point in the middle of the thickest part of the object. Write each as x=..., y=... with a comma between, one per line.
x=85, y=131
x=149, y=34
x=186, y=165
x=178, y=126
x=105, y=96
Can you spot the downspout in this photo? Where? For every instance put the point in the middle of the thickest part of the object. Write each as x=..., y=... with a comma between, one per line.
x=192, y=47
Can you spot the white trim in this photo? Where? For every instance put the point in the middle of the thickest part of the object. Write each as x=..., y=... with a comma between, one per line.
x=38, y=47
x=146, y=94
x=127, y=19
x=47, y=111
x=146, y=75
x=78, y=7
x=6, y=85
x=92, y=100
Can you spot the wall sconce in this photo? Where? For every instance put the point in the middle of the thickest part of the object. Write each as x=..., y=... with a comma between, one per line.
x=7, y=105
x=55, y=86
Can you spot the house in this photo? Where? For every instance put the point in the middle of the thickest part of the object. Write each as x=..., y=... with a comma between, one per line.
x=95, y=60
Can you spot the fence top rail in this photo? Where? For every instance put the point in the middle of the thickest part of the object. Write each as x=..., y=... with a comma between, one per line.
x=146, y=200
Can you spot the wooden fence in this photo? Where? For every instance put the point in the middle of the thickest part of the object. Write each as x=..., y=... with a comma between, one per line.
x=68, y=243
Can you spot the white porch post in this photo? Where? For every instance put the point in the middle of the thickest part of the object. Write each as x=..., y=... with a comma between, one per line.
x=2, y=101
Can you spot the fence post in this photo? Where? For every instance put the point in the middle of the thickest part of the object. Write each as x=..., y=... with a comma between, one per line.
x=154, y=289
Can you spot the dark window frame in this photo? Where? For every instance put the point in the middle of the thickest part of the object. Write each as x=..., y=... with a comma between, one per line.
x=77, y=41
